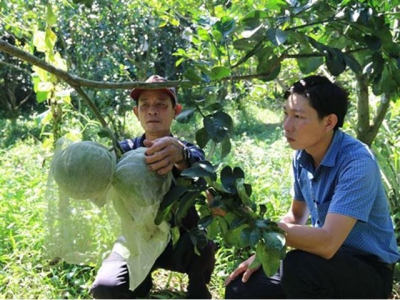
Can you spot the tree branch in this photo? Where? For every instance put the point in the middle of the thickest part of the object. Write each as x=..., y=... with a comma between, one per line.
x=379, y=117
x=362, y=107
x=75, y=80
x=14, y=67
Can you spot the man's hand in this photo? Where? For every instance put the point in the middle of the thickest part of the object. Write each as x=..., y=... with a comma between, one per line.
x=163, y=153
x=243, y=267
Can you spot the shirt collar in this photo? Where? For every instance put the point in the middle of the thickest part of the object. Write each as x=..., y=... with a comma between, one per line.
x=329, y=159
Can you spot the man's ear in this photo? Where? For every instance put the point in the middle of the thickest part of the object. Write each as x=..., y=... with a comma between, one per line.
x=331, y=121
x=135, y=110
x=178, y=109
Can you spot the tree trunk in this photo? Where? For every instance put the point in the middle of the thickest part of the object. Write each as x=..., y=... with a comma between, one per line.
x=367, y=131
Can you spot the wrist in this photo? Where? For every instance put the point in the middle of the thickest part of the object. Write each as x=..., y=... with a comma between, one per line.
x=185, y=155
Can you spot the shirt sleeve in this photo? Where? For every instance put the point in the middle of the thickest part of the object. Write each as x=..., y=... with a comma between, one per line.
x=296, y=187
x=356, y=189
x=195, y=154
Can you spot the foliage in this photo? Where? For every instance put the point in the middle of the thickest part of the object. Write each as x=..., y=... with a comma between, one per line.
x=24, y=272
x=330, y=35
x=225, y=50
x=387, y=150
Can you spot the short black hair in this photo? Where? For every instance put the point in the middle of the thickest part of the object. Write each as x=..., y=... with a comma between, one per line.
x=325, y=96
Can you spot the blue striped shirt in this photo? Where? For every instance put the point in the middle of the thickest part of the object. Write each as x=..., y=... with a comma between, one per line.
x=348, y=182
x=195, y=153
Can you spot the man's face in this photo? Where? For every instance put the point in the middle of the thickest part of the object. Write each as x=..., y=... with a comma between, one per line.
x=303, y=129
x=156, y=112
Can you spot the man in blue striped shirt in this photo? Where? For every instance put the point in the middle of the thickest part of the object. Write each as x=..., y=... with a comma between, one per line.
x=350, y=249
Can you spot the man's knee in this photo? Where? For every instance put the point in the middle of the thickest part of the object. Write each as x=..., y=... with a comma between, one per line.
x=296, y=266
x=100, y=291
x=297, y=261
x=112, y=279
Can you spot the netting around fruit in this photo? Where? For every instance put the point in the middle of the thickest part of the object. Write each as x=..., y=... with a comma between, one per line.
x=94, y=200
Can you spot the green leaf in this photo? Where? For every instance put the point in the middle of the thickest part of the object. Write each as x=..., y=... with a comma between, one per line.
x=276, y=36
x=309, y=64
x=51, y=18
x=218, y=125
x=378, y=64
x=274, y=240
x=374, y=43
x=256, y=263
x=218, y=73
x=185, y=116
x=243, y=193
x=235, y=238
x=245, y=235
x=223, y=225
x=163, y=215
x=226, y=26
x=269, y=258
x=335, y=61
x=39, y=41
x=225, y=147
x=198, y=237
x=244, y=44
x=200, y=169
x=253, y=19
x=265, y=54
x=213, y=229
x=266, y=224
x=206, y=221
x=50, y=39
x=225, y=120
x=202, y=137
x=352, y=63
x=217, y=36
x=192, y=76
x=174, y=193
x=175, y=234
x=186, y=201
x=41, y=96
x=270, y=66
x=87, y=3
x=262, y=210
x=204, y=35
x=320, y=47
x=385, y=83
x=213, y=107
x=228, y=178
x=255, y=236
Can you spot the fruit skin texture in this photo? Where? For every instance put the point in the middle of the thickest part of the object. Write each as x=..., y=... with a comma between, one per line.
x=84, y=170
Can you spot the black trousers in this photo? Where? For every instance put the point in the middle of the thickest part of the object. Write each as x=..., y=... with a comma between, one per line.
x=112, y=280
x=305, y=275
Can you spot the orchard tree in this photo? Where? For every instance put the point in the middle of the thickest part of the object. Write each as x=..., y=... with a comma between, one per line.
x=217, y=48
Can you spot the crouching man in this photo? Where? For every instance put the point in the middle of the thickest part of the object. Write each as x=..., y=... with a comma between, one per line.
x=155, y=110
